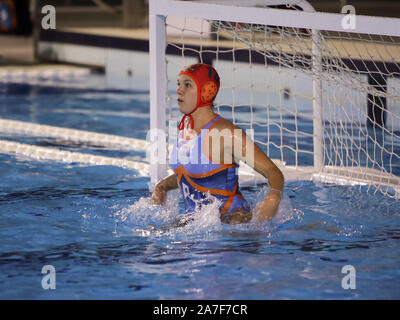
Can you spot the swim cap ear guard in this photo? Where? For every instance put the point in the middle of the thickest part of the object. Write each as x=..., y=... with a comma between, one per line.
x=207, y=82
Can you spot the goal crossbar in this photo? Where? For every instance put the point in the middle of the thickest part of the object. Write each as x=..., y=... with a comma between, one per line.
x=271, y=16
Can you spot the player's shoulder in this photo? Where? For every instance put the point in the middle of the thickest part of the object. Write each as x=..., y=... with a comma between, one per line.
x=224, y=124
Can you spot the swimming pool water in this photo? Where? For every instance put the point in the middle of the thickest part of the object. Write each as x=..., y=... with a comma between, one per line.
x=83, y=220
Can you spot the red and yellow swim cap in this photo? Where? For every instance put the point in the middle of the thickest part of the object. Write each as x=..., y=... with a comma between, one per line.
x=207, y=82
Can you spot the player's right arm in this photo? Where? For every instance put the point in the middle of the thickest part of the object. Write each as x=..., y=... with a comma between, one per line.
x=161, y=188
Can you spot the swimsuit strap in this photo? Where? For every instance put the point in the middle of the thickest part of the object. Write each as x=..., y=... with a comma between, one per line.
x=206, y=127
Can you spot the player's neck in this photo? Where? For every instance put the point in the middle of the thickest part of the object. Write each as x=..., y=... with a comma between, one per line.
x=202, y=116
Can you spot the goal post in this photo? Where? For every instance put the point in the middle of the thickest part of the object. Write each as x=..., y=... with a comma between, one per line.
x=322, y=100
x=158, y=82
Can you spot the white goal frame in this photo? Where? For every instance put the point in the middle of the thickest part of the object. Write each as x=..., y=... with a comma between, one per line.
x=237, y=11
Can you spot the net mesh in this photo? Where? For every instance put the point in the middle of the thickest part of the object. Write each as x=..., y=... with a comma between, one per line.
x=267, y=75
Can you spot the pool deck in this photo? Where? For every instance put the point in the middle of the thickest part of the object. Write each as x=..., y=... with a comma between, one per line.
x=16, y=50
x=63, y=45
x=17, y=53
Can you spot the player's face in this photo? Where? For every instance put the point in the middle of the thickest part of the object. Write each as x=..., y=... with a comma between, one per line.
x=187, y=93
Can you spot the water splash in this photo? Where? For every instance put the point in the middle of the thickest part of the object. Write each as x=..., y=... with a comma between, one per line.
x=285, y=213
x=144, y=218
x=147, y=219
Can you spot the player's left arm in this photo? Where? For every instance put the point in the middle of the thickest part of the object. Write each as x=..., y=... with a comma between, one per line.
x=244, y=149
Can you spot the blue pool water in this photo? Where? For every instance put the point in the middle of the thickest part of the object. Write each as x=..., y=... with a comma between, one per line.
x=83, y=220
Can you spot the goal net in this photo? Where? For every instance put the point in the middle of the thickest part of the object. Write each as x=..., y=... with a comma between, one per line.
x=318, y=92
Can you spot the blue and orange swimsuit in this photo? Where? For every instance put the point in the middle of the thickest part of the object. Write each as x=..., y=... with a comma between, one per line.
x=197, y=174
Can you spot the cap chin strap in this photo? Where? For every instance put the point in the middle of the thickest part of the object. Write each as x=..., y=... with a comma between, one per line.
x=191, y=121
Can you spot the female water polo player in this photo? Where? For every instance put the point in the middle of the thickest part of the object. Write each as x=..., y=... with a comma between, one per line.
x=201, y=169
